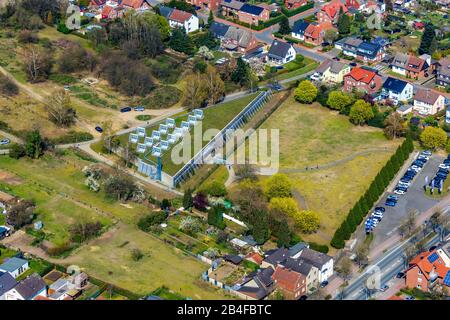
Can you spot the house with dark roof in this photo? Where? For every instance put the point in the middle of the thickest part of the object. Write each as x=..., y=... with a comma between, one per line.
x=28, y=289
x=230, y=8
x=218, y=29
x=428, y=101
x=298, y=30
x=257, y=285
x=274, y=257
x=323, y=262
x=309, y=271
x=364, y=51
x=7, y=282
x=238, y=40
x=252, y=14
x=291, y=283
x=281, y=52
x=14, y=266
x=361, y=79
x=397, y=90
x=443, y=72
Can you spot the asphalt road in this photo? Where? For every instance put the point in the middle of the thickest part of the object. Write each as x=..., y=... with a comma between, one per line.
x=389, y=265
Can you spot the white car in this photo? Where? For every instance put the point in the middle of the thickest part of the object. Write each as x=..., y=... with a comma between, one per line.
x=426, y=153
x=398, y=191
x=416, y=168
x=444, y=166
x=4, y=141
x=422, y=156
x=404, y=184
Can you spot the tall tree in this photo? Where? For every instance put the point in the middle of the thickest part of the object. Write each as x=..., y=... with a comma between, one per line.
x=195, y=91
x=427, y=39
x=214, y=84
x=284, y=26
x=60, y=110
x=343, y=23
x=394, y=126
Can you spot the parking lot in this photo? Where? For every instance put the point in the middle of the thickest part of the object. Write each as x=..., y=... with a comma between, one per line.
x=413, y=199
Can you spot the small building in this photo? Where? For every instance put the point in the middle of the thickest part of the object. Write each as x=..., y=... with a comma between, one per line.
x=254, y=257
x=257, y=285
x=443, y=72
x=233, y=258
x=231, y=8
x=329, y=12
x=211, y=5
x=404, y=109
x=361, y=79
x=298, y=30
x=180, y=19
x=7, y=282
x=397, y=90
x=15, y=266
x=281, y=52
x=294, y=4
x=291, y=283
x=30, y=288
x=428, y=102
x=315, y=32
x=252, y=14
x=331, y=71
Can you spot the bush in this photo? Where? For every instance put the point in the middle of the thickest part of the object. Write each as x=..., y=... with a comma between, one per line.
x=27, y=36
x=8, y=87
x=215, y=189
x=319, y=247
x=17, y=151
x=154, y=218
x=162, y=97
x=136, y=254
x=306, y=92
x=73, y=137
x=278, y=186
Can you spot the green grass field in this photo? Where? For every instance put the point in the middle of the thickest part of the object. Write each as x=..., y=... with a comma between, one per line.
x=351, y=156
x=215, y=117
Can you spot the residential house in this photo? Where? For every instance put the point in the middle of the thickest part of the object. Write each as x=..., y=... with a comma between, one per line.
x=15, y=266
x=28, y=289
x=281, y=52
x=443, y=72
x=212, y=5
x=257, y=285
x=7, y=282
x=233, y=38
x=323, y=262
x=404, y=109
x=180, y=19
x=137, y=5
x=409, y=66
x=361, y=79
x=309, y=271
x=231, y=8
x=331, y=71
x=397, y=90
x=64, y=289
x=298, y=30
x=252, y=14
x=364, y=51
x=294, y=4
x=427, y=101
x=315, y=32
x=329, y=13
x=291, y=283
x=275, y=257
x=254, y=257
x=427, y=270
x=447, y=115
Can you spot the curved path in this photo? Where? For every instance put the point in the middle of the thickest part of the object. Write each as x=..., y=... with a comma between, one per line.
x=330, y=164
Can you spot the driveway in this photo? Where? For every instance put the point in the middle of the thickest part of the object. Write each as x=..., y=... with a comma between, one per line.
x=414, y=199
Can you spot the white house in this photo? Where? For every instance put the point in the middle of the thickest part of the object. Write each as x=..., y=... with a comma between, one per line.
x=397, y=90
x=281, y=52
x=321, y=261
x=14, y=266
x=28, y=289
x=7, y=282
x=180, y=19
x=427, y=101
x=447, y=115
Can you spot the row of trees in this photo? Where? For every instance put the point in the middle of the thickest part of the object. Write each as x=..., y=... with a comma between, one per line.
x=381, y=181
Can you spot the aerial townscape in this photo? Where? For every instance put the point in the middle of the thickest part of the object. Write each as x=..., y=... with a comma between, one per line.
x=227, y=150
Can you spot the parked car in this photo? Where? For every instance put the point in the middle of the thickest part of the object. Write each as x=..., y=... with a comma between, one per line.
x=139, y=108
x=98, y=129
x=427, y=153
x=324, y=284
x=380, y=209
x=384, y=288
x=125, y=109
x=399, y=191
x=444, y=166
x=410, y=298
x=4, y=142
x=400, y=275
x=353, y=64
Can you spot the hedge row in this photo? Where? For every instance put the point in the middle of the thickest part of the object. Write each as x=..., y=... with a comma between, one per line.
x=376, y=189
x=291, y=13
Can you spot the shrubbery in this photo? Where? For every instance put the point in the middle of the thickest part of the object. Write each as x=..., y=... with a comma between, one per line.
x=152, y=219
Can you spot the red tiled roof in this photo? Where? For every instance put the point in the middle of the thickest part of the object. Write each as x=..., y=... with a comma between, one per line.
x=180, y=16
x=256, y=257
x=286, y=278
x=135, y=4
x=362, y=75
x=422, y=262
x=333, y=8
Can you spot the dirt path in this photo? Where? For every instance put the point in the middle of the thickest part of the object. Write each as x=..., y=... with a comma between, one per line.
x=22, y=86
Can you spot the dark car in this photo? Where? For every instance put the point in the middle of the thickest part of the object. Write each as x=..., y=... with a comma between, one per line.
x=390, y=203
x=380, y=209
x=400, y=275
x=353, y=64
x=126, y=109
x=324, y=284
x=432, y=248
x=98, y=129
x=337, y=59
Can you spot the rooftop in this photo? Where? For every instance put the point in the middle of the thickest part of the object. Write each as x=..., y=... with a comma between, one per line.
x=13, y=264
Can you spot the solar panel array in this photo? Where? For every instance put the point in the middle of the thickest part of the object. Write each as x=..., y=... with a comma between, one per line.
x=433, y=257
x=447, y=279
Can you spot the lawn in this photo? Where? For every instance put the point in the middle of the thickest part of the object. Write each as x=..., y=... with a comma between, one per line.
x=109, y=258
x=57, y=186
x=215, y=117
x=293, y=72
x=350, y=157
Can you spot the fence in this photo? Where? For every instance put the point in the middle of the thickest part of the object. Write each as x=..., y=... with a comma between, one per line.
x=238, y=121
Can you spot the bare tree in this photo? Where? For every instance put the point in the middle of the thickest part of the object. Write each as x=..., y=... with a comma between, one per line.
x=408, y=226
x=345, y=267
x=195, y=91
x=362, y=255
x=394, y=126
x=60, y=110
x=214, y=84
x=37, y=62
